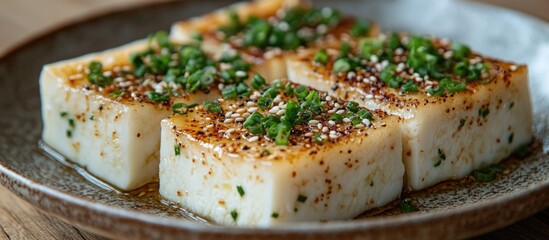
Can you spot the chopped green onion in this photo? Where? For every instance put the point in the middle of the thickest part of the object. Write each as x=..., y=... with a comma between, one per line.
x=460, y=50
x=301, y=92
x=254, y=124
x=360, y=28
x=409, y=87
x=283, y=134
x=240, y=190
x=341, y=65
x=352, y=106
x=321, y=57
x=365, y=114
x=234, y=215
x=264, y=102
x=157, y=97
x=258, y=81
x=487, y=174
x=213, y=107
x=229, y=91
x=406, y=206
x=177, y=149
x=337, y=118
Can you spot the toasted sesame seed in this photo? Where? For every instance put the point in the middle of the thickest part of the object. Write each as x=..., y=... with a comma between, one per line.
x=235, y=115
x=274, y=109
x=324, y=129
x=347, y=120
x=309, y=134
x=332, y=110
x=341, y=111
x=240, y=110
x=328, y=98
x=228, y=120
x=360, y=125
x=208, y=127
x=250, y=103
x=239, y=119
x=313, y=122
x=230, y=130
x=241, y=74
x=246, y=115
x=228, y=114
x=253, y=139
x=331, y=123
x=277, y=99
x=281, y=112
x=252, y=109
x=324, y=136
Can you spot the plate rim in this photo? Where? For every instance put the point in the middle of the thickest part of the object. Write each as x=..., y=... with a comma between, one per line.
x=12, y=179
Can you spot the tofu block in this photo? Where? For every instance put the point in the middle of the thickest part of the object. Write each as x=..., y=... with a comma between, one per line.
x=115, y=138
x=475, y=124
x=215, y=167
x=269, y=61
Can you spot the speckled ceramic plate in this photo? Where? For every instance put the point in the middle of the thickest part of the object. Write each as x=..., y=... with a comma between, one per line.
x=451, y=210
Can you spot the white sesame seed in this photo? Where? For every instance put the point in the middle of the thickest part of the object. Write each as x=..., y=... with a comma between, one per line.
x=328, y=98
x=333, y=136
x=228, y=114
x=373, y=78
x=208, y=127
x=250, y=103
x=369, y=96
x=319, y=126
x=448, y=54
x=240, y=110
x=277, y=99
x=374, y=58
x=274, y=109
x=230, y=130
x=228, y=120
x=337, y=105
x=235, y=115
x=253, y=139
x=313, y=122
x=324, y=136
x=366, y=122
x=340, y=111
x=513, y=68
x=252, y=109
x=324, y=129
x=347, y=120
x=360, y=125
x=332, y=110
x=399, y=51
x=281, y=112
x=240, y=74
x=309, y=134
x=331, y=123
x=239, y=119
x=246, y=115
x=208, y=119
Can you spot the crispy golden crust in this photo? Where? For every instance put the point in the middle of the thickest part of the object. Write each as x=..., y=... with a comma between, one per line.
x=226, y=128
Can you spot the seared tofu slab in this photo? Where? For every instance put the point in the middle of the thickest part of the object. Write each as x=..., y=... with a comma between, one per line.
x=462, y=111
x=285, y=154
x=103, y=110
x=265, y=31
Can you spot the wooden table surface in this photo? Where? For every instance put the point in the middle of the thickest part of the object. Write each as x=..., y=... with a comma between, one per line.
x=22, y=19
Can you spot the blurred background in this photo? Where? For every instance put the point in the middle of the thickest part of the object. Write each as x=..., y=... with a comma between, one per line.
x=22, y=19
